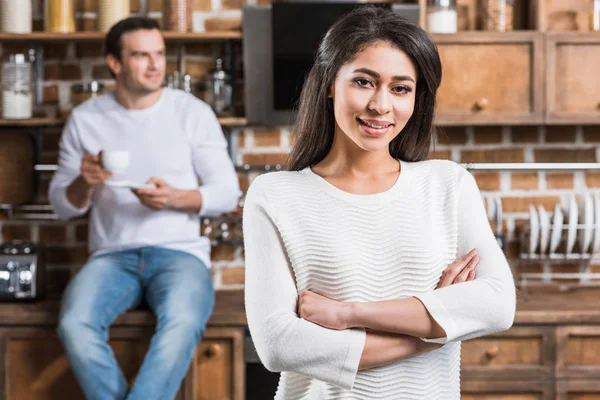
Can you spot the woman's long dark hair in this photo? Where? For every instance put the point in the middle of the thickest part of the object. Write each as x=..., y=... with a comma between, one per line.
x=349, y=35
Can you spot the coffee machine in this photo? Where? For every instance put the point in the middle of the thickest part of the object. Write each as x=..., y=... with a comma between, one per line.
x=21, y=271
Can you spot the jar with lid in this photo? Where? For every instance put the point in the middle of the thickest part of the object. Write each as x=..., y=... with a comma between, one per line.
x=498, y=15
x=81, y=92
x=17, y=87
x=59, y=16
x=16, y=16
x=441, y=16
x=595, y=16
x=219, y=89
x=177, y=15
x=110, y=12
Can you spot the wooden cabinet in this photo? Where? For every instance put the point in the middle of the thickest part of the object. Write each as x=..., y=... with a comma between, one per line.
x=502, y=390
x=491, y=78
x=573, y=81
x=578, y=352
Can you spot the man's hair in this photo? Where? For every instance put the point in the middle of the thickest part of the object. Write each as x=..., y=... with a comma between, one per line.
x=114, y=45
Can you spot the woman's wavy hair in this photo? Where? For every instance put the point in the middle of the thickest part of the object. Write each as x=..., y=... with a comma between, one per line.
x=349, y=35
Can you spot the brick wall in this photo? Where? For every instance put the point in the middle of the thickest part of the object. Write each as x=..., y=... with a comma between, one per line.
x=69, y=63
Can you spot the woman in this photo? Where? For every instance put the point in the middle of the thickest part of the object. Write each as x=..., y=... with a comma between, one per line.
x=360, y=261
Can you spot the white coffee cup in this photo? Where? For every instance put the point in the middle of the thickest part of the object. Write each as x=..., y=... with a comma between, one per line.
x=115, y=161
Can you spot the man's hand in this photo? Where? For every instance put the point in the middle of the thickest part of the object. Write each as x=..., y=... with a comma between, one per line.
x=91, y=170
x=160, y=198
x=461, y=270
x=323, y=311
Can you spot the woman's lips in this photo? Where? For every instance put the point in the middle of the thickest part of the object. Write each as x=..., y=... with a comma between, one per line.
x=370, y=129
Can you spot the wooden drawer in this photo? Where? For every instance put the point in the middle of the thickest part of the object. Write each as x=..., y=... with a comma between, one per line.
x=506, y=390
x=577, y=389
x=578, y=352
x=573, y=81
x=519, y=353
x=490, y=78
x=217, y=370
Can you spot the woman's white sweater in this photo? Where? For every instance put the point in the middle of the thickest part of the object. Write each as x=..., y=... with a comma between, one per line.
x=303, y=233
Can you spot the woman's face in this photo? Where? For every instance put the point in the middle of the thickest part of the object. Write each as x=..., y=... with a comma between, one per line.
x=374, y=96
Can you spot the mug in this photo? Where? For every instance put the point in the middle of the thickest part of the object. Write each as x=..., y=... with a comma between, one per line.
x=115, y=161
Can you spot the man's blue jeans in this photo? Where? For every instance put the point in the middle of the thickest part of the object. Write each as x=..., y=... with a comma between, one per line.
x=178, y=288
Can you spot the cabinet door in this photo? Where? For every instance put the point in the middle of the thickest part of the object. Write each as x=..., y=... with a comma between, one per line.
x=490, y=78
x=573, y=81
x=506, y=390
x=571, y=389
x=35, y=366
x=578, y=352
x=217, y=370
x=522, y=352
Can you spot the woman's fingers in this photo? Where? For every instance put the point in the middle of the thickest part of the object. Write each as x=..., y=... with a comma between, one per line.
x=456, y=268
x=470, y=267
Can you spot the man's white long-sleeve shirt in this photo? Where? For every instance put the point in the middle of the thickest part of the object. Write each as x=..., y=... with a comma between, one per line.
x=177, y=139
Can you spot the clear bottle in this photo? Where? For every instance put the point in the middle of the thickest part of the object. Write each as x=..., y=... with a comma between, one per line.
x=498, y=15
x=595, y=16
x=219, y=89
x=17, y=87
x=441, y=16
x=59, y=16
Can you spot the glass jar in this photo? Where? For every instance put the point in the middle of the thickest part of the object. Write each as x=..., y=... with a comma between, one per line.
x=17, y=87
x=218, y=93
x=177, y=15
x=498, y=15
x=110, y=12
x=595, y=16
x=441, y=16
x=59, y=16
x=16, y=16
x=81, y=92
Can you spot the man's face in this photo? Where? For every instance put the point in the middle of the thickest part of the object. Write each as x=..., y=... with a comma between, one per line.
x=143, y=61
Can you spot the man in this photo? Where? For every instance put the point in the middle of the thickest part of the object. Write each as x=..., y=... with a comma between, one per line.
x=144, y=243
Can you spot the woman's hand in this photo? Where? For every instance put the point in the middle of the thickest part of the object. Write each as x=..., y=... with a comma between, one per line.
x=323, y=311
x=461, y=270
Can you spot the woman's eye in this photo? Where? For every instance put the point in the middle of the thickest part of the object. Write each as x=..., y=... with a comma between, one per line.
x=402, y=89
x=362, y=82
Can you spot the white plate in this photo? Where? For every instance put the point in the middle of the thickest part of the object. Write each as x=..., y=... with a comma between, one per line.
x=596, y=245
x=544, y=229
x=573, y=221
x=534, y=230
x=129, y=185
x=586, y=218
x=557, y=225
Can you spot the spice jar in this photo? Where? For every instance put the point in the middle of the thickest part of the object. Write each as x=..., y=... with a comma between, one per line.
x=177, y=15
x=595, y=16
x=218, y=93
x=498, y=15
x=110, y=12
x=17, y=88
x=59, y=16
x=441, y=16
x=16, y=16
x=81, y=92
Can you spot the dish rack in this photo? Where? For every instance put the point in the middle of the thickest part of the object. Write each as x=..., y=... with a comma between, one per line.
x=581, y=262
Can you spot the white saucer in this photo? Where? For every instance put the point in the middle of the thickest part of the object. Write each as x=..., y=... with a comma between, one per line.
x=129, y=185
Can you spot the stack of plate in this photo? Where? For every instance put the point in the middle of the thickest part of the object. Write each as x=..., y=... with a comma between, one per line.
x=110, y=12
x=16, y=16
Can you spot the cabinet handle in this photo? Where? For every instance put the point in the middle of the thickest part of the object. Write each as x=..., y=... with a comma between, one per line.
x=213, y=350
x=493, y=351
x=481, y=104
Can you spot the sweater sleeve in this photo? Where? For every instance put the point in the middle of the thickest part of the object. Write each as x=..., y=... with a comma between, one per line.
x=69, y=164
x=220, y=188
x=486, y=304
x=283, y=341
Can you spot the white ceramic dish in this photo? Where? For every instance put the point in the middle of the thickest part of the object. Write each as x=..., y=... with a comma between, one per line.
x=573, y=218
x=586, y=221
x=534, y=230
x=544, y=229
x=129, y=185
x=596, y=244
x=557, y=226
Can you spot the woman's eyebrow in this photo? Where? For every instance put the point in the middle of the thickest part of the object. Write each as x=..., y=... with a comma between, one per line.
x=377, y=76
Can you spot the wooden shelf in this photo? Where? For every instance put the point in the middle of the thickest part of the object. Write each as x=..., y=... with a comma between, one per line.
x=99, y=36
x=34, y=122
